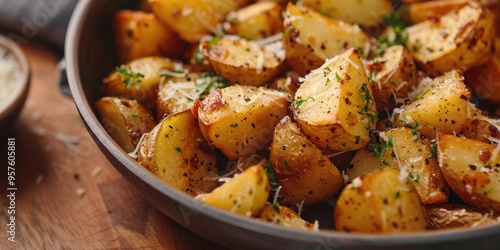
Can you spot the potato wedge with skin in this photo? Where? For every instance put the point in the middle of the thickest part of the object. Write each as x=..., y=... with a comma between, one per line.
x=125, y=120
x=310, y=38
x=458, y=40
x=301, y=169
x=191, y=19
x=176, y=94
x=255, y=21
x=177, y=153
x=284, y=216
x=365, y=162
x=447, y=216
x=239, y=120
x=380, y=203
x=395, y=74
x=334, y=106
x=472, y=169
x=368, y=13
x=140, y=34
x=419, y=12
x=138, y=79
x=241, y=61
x=442, y=106
x=245, y=194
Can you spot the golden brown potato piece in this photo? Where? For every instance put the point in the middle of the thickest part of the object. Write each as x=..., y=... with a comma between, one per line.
x=255, y=21
x=480, y=129
x=447, y=216
x=284, y=216
x=334, y=105
x=176, y=94
x=191, y=19
x=471, y=168
x=441, y=106
x=310, y=38
x=393, y=75
x=177, y=153
x=458, y=40
x=419, y=12
x=301, y=169
x=139, y=34
x=125, y=120
x=239, y=120
x=406, y=150
x=380, y=203
x=137, y=79
x=241, y=61
x=245, y=194
x=368, y=13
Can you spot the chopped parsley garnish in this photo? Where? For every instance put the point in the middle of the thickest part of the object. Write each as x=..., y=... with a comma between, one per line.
x=416, y=47
x=337, y=77
x=364, y=91
x=276, y=207
x=272, y=177
x=234, y=125
x=379, y=146
x=394, y=82
x=178, y=149
x=433, y=149
x=298, y=102
x=287, y=31
x=287, y=167
x=207, y=82
x=414, y=130
x=398, y=194
x=167, y=75
x=486, y=192
x=213, y=41
x=233, y=20
x=372, y=76
x=128, y=77
x=198, y=56
x=421, y=96
x=413, y=178
x=327, y=70
x=134, y=115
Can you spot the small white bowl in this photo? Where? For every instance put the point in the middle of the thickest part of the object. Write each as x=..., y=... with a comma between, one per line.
x=11, y=106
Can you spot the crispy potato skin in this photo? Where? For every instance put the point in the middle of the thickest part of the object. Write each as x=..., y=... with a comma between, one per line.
x=245, y=194
x=308, y=38
x=143, y=89
x=458, y=40
x=471, y=168
x=239, y=120
x=440, y=107
x=448, y=216
x=255, y=21
x=139, y=34
x=177, y=153
x=380, y=203
x=284, y=216
x=334, y=104
x=243, y=62
x=303, y=172
x=125, y=120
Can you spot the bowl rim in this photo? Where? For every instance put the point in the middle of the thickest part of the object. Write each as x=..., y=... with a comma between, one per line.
x=19, y=95
x=73, y=38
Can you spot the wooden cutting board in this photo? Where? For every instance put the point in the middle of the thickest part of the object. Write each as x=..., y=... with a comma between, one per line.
x=68, y=195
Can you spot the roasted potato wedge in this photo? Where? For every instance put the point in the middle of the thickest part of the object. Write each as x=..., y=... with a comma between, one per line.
x=241, y=61
x=334, y=106
x=419, y=12
x=458, y=40
x=446, y=216
x=284, y=216
x=366, y=13
x=441, y=106
x=310, y=38
x=255, y=21
x=140, y=34
x=480, y=129
x=125, y=120
x=303, y=172
x=381, y=203
x=393, y=75
x=245, y=194
x=138, y=79
x=176, y=152
x=239, y=120
x=191, y=19
x=471, y=168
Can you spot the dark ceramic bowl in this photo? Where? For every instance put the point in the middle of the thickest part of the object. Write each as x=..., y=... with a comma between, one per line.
x=90, y=55
x=12, y=105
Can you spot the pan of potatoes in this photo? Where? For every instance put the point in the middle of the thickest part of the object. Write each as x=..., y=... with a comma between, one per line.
x=303, y=124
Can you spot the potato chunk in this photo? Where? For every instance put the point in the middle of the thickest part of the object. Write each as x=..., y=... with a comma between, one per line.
x=458, y=40
x=239, y=120
x=241, y=61
x=301, y=169
x=419, y=12
x=334, y=106
x=471, y=168
x=245, y=194
x=284, y=216
x=380, y=203
x=125, y=120
x=447, y=216
x=255, y=21
x=177, y=153
x=310, y=38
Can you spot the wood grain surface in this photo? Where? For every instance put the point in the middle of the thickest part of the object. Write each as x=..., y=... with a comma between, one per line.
x=68, y=195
